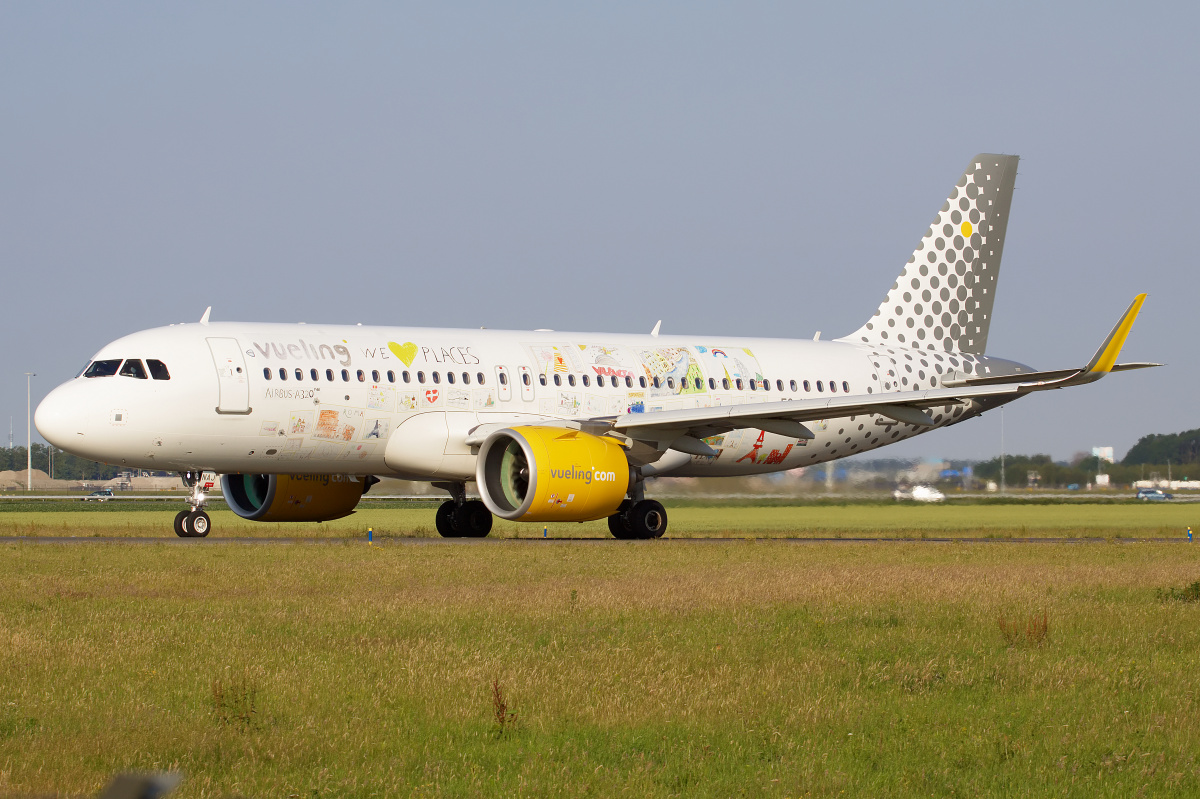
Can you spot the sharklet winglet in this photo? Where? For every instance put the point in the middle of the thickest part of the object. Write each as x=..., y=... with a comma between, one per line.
x=1106, y=357
x=204, y=319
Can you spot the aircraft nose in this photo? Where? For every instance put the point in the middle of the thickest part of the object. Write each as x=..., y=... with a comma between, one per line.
x=58, y=418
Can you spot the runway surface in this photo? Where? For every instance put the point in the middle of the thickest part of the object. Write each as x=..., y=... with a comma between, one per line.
x=391, y=542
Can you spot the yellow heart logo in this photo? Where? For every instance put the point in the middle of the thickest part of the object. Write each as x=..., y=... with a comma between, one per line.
x=405, y=352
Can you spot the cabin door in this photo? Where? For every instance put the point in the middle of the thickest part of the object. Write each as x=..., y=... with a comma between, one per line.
x=232, y=379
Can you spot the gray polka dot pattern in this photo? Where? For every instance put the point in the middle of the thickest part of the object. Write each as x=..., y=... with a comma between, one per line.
x=943, y=298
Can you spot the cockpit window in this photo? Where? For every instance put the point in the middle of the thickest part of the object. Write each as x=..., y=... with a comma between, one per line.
x=133, y=368
x=103, y=368
x=158, y=369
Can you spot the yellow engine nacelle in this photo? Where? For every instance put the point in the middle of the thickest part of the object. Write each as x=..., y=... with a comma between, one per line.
x=293, y=497
x=552, y=474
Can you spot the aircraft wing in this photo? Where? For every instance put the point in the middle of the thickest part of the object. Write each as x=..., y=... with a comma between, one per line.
x=683, y=429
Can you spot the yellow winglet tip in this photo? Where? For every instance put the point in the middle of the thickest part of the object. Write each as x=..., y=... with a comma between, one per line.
x=1116, y=339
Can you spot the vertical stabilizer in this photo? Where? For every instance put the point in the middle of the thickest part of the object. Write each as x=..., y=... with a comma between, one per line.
x=943, y=298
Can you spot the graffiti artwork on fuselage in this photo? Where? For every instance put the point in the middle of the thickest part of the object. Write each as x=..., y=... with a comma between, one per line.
x=551, y=359
x=733, y=363
x=609, y=362
x=676, y=371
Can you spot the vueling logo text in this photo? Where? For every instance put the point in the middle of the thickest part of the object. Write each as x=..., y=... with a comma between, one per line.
x=586, y=475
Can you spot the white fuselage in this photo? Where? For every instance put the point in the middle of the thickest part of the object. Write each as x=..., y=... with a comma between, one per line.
x=319, y=399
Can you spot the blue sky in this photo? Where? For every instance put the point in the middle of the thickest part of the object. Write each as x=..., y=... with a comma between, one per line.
x=733, y=169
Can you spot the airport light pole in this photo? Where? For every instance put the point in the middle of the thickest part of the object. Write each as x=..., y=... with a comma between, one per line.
x=28, y=433
x=1001, y=449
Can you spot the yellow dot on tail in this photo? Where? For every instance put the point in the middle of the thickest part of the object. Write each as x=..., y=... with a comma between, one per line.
x=966, y=230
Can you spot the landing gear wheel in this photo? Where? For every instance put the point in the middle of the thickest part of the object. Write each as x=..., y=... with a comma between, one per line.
x=198, y=524
x=445, y=520
x=181, y=528
x=472, y=519
x=618, y=523
x=648, y=519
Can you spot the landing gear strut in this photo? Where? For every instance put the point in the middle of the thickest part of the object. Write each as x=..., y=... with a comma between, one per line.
x=638, y=518
x=460, y=517
x=193, y=523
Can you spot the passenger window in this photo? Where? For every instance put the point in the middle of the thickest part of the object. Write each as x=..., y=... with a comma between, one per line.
x=642, y=382
x=712, y=384
x=437, y=377
x=467, y=379
x=266, y=373
x=479, y=378
x=753, y=384
x=628, y=382
x=503, y=379
x=793, y=386
x=725, y=383
x=571, y=380
x=807, y=386
x=845, y=387
x=133, y=368
x=450, y=377
x=542, y=379
x=421, y=378
x=362, y=376
x=158, y=369
x=820, y=386
x=670, y=382
x=345, y=375
x=558, y=380
x=779, y=385
x=374, y=375
x=314, y=374
x=391, y=376
x=600, y=381
x=329, y=375
x=525, y=378
x=656, y=383
x=282, y=373
x=299, y=373
x=405, y=376
x=587, y=381
x=739, y=384
x=699, y=383
x=766, y=385
x=833, y=386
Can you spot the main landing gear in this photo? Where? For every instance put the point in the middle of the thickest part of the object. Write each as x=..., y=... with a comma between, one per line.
x=461, y=517
x=638, y=519
x=193, y=523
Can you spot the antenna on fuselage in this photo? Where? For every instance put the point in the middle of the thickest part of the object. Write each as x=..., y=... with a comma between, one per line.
x=204, y=319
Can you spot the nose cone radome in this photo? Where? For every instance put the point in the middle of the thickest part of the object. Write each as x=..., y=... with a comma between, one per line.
x=59, y=418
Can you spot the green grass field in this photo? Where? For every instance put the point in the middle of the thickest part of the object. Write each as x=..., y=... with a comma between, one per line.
x=661, y=668
x=893, y=520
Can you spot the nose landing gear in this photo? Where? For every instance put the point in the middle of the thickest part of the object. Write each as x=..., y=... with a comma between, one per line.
x=194, y=523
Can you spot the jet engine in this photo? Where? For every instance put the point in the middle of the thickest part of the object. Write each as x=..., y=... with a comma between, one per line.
x=544, y=474
x=293, y=497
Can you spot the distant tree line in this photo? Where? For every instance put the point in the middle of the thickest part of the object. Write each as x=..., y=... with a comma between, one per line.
x=1174, y=447
x=66, y=465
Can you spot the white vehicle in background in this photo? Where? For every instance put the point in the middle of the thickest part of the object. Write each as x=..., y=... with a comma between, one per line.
x=920, y=494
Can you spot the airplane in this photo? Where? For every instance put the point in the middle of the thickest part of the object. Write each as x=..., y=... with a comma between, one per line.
x=301, y=420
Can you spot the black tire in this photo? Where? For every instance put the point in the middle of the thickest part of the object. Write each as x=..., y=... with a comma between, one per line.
x=198, y=524
x=445, y=522
x=618, y=523
x=181, y=528
x=473, y=520
x=648, y=519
